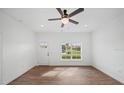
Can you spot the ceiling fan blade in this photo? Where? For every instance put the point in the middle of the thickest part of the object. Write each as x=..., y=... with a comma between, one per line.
x=72, y=21
x=60, y=11
x=53, y=19
x=62, y=25
x=76, y=12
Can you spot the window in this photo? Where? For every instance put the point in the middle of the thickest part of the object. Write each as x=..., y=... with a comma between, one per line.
x=71, y=51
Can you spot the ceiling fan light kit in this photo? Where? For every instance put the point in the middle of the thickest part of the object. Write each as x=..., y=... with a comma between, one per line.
x=65, y=18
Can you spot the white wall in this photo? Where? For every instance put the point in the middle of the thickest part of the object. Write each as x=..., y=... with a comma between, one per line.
x=18, y=48
x=0, y=58
x=108, y=48
x=55, y=39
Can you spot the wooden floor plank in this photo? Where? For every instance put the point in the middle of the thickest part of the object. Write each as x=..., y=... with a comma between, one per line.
x=46, y=75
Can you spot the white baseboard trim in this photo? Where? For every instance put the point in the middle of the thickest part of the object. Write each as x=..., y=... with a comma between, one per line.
x=109, y=74
x=7, y=82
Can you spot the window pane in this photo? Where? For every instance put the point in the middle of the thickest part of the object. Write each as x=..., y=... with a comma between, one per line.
x=66, y=57
x=63, y=49
x=76, y=57
x=76, y=49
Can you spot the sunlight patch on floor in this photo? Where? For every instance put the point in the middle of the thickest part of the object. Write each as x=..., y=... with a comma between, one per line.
x=50, y=74
x=68, y=72
x=59, y=68
x=61, y=72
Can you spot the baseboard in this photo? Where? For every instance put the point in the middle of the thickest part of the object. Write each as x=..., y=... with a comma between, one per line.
x=107, y=73
x=26, y=71
x=66, y=65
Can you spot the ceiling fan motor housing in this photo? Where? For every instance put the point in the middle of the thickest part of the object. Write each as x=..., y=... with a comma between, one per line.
x=65, y=13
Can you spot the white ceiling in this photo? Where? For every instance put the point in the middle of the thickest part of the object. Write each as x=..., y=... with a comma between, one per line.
x=33, y=18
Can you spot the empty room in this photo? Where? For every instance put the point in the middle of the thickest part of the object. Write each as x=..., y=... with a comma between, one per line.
x=61, y=46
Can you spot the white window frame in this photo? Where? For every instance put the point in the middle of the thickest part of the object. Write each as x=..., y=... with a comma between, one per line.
x=70, y=54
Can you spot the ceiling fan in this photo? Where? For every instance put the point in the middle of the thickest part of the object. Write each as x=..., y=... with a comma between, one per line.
x=65, y=17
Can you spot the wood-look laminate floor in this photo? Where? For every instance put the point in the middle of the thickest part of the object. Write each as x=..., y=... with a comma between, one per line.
x=40, y=75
